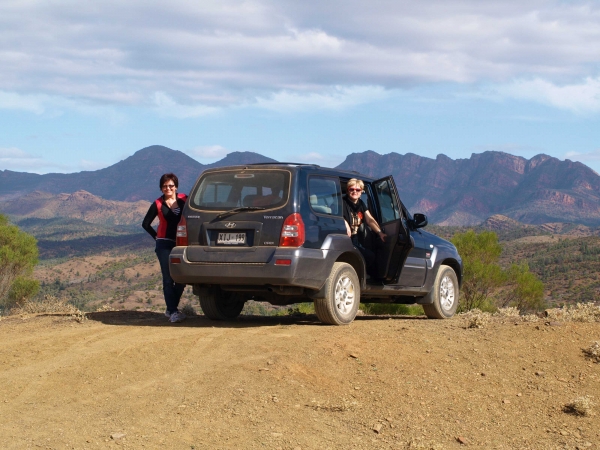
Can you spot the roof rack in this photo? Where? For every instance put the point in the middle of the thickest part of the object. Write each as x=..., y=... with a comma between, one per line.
x=290, y=163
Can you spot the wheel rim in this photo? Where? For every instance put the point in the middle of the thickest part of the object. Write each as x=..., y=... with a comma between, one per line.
x=447, y=296
x=345, y=295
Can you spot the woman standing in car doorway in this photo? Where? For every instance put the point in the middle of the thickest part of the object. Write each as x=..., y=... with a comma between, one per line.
x=355, y=213
x=168, y=208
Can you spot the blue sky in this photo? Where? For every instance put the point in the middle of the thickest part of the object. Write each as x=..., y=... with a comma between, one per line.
x=86, y=84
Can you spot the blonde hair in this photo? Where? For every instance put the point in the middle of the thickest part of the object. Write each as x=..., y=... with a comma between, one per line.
x=356, y=182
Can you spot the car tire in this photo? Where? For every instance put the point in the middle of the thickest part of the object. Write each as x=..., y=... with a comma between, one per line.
x=342, y=296
x=219, y=305
x=442, y=300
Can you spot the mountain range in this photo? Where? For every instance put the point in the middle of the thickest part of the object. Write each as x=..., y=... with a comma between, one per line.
x=451, y=192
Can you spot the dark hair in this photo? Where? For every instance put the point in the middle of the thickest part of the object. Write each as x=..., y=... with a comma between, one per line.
x=169, y=176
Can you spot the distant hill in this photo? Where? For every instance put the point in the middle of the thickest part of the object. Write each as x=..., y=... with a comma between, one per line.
x=457, y=192
x=134, y=178
x=467, y=191
x=79, y=205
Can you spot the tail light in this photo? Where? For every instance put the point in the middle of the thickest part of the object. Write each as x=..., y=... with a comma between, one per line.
x=181, y=237
x=292, y=233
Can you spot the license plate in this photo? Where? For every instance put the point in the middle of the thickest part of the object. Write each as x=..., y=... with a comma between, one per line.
x=231, y=238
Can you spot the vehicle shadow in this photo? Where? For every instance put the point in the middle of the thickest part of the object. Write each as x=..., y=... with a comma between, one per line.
x=156, y=319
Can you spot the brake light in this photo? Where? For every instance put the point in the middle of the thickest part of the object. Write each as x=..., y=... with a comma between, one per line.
x=292, y=233
x=181, y=237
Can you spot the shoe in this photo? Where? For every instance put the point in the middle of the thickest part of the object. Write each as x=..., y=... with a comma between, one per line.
x=177, y=316
x=167, y=313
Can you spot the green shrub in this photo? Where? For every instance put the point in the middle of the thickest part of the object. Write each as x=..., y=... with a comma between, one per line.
x=18, y=257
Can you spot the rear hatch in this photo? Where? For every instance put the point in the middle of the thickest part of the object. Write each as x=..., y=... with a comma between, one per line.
x=236, y=215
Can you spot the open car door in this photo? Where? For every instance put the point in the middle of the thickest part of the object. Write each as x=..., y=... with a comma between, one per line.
x=392, y=253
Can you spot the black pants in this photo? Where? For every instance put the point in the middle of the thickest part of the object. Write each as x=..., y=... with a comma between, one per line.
x=171, y=290
x=368, y=254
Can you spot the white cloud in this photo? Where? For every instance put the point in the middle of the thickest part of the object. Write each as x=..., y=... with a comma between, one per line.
x=212, y=152
x=336, y=98
x=580, y=98
x=192, y=57
x=30, y=103
x=593, y=156
x=56, y=105
x=166, y=106
x=18, y=160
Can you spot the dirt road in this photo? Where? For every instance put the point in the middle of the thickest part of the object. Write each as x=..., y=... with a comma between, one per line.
x=132, y=380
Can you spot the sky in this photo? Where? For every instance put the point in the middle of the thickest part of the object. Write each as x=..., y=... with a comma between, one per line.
x=85, y=84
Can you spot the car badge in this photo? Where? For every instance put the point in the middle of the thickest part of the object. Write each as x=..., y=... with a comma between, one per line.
x=230, y=224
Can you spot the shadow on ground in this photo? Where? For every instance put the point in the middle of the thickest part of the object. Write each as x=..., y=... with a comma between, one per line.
x=155, y=319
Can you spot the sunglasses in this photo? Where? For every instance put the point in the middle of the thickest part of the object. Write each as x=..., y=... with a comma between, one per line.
x=168, y=186
x=354, y=190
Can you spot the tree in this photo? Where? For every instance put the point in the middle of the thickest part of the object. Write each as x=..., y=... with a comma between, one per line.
x=18, y=257
x=482, y=275
x=526, y=291
x=485, y=285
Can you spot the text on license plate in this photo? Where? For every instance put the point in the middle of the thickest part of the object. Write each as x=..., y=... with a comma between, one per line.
x=231, y=238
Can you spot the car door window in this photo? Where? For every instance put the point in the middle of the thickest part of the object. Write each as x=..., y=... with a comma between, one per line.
x=388, y=205
x=325, y=195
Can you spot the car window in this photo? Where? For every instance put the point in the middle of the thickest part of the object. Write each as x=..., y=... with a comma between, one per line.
x=387, y=201
x=220, y=191
x=325, y=195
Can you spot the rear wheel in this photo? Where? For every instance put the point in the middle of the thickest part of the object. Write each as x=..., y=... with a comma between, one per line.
x=220, y=305
x=443, y=296
x=342, y=296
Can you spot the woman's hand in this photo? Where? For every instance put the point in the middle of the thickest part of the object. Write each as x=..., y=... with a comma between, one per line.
x=348, y=231
x=382, y=235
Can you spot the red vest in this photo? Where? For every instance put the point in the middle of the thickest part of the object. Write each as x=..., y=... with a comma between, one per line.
x=161, y=231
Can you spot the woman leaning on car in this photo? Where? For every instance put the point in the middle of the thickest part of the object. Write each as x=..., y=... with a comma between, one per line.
x=168, y=208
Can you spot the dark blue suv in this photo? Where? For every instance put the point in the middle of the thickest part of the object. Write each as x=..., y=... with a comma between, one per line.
x=276, y=233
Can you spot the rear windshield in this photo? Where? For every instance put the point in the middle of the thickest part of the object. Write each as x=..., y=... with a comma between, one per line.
x=221, y=191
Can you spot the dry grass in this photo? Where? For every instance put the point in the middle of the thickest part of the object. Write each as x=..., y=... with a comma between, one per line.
x=581, y=406
x=476, y=318
x=580, y=312
x=105, y=308
x=510, y=311
x=593, y=351
x=49, y=305
x=188, y=310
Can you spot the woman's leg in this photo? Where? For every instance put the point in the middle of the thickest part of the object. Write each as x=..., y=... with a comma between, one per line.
x=172, y=296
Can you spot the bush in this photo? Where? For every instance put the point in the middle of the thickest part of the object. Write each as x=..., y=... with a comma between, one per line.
x=18, y=257
x=486, y=286
x=526, y=291
x=482, y=275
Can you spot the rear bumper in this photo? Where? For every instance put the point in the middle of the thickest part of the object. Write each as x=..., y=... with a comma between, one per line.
x=308, y=268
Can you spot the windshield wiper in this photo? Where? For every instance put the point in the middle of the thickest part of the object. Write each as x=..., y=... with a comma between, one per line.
x=237, y=210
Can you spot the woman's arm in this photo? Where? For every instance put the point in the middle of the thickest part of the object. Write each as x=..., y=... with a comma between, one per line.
x=374, y=226
x=150, y=216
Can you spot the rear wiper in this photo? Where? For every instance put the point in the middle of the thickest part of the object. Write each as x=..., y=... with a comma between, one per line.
x=237, y=210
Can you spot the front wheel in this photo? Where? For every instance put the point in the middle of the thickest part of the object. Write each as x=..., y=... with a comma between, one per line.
x=219, y=305
x=342, y=296
x=443, y=298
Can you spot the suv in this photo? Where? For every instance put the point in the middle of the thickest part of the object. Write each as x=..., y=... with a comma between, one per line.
x=275, y=232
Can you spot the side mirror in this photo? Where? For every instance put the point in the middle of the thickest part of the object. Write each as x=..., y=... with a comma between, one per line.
x=419, y=220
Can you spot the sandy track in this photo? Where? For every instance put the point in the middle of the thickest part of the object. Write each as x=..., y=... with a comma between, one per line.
x=292, y=383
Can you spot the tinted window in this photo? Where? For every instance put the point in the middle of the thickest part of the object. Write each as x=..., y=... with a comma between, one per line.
x=220, y=191
x=387, y=202
x=325, y=195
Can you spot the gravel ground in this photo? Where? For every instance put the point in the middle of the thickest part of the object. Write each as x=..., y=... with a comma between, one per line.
x=133, y=380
